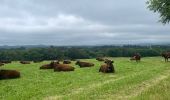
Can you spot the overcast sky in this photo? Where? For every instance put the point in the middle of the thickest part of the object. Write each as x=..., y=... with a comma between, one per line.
x=79, y=22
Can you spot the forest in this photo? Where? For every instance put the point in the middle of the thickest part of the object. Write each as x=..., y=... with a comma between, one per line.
x=78, y=52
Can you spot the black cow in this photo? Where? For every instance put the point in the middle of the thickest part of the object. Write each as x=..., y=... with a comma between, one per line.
x=166, y=55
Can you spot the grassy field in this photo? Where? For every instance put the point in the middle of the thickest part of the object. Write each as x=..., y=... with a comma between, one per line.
x=147, y=80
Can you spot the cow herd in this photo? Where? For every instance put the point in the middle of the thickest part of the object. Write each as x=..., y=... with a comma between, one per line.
x=107, y=67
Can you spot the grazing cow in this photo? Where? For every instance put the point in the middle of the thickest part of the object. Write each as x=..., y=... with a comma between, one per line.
x=63, y=67
x=1, y=64
x=84, y=64
x=108, y=67
x=132, y=58
x=25, y=62
x=166, y=55
x=9, y=74
x=136, y=57
x=100, y=59
x=50, y=66
x=66, y=62
x=5, y=61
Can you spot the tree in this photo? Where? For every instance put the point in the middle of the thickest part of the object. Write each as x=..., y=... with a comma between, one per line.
x=162, y=7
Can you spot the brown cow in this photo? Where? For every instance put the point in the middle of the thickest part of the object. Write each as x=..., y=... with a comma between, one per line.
x=84, y=64
x=108, y=67
x=63, y=67
x=136, y=57
x=66, y=62
x=49, y=66
x=5, y=61
x=1, y=64
x=100, y=59
x=9, y=74
x=37, y=61
x=25, y=62
x=166, y=55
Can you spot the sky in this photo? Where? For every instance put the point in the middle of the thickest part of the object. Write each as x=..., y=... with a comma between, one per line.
x=79, y=22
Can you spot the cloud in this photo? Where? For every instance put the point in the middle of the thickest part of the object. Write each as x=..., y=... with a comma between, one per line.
x=75, y=22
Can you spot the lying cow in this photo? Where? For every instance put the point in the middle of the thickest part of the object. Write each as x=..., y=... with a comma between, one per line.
x=66, y=62
x=166, y=55
x=107, y=67
x=37, y=61
x=84, y=64
x=5, y=61
x=1, y=64
x=50, y=66
x=100, y=59
x=136, y=57
x=25, y=62
x=9, y=74
x=63, y=67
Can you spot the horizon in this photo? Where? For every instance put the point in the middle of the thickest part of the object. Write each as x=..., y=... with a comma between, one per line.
x=42, y=45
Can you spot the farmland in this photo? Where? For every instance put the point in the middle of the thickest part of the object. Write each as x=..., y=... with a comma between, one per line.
x=147, y=80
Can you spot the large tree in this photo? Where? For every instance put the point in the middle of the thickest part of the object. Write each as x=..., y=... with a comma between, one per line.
x=162, y=7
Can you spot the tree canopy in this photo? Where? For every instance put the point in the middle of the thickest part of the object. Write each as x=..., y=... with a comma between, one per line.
x=162, y=7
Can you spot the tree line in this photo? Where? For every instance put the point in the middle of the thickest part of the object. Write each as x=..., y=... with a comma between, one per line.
x=86, y=52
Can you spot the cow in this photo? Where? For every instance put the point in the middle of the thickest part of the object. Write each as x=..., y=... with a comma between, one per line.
x=108, y=67
x=1, y=64
x=136, y=57
x=63, y=67
x=100, y=59
x=50, y=66
x=5, y=61
x=66, y=62
x=132, y=58
x=37, y=61
x=25, y=62
x=166, y=55
x=9, y=74
x=84, y=64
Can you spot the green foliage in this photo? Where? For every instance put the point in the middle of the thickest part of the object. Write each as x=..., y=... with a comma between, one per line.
x=162, y=7
x=53, y=53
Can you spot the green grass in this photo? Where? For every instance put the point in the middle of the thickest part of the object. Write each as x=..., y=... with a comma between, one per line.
x=147, y=80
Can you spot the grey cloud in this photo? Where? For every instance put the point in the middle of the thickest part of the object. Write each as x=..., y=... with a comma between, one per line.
x=79, y=22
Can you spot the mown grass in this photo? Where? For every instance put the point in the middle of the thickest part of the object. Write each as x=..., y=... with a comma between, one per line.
x=148, y=79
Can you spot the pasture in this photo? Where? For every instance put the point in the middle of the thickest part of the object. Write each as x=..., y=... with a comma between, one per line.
x=146, y=80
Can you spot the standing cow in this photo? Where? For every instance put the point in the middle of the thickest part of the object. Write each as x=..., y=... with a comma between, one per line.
x=166, y=55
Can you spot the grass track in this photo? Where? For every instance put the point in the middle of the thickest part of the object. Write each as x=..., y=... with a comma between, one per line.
x=148, y=79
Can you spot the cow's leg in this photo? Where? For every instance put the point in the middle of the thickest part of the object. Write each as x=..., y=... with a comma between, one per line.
x=100, y=70
x=166, y=59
